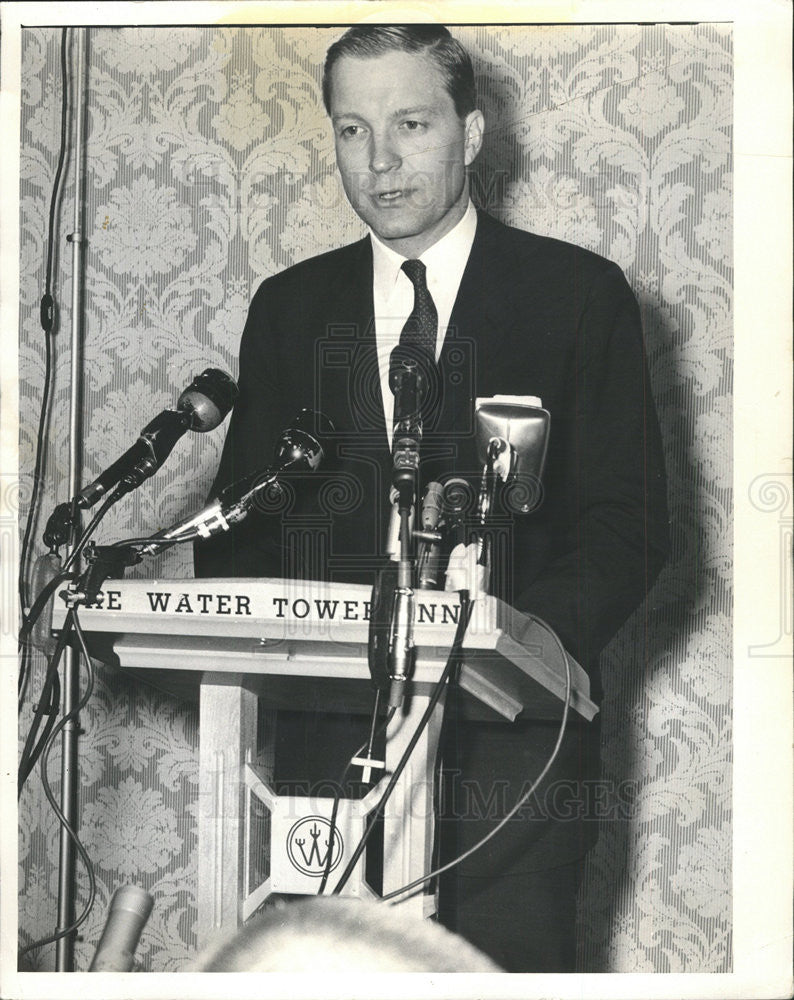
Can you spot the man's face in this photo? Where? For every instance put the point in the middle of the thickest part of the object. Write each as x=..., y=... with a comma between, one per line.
x=401, y=148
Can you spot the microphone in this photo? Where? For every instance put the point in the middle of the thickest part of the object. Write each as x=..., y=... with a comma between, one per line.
x=408, y=384
x=201, y=407
x=299, y=447
x=401, y=644
x=45, y=569
x=129, y=911
x=427, y=561
x=393, y=549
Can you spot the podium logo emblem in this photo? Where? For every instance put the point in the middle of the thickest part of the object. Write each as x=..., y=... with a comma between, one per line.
x=308, y=844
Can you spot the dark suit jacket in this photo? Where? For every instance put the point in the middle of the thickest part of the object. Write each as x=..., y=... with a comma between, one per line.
x=533, y=316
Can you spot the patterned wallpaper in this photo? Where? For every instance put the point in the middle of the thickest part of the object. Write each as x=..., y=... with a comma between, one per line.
x=210, y=166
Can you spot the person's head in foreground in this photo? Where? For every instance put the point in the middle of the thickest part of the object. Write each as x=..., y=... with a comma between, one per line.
x=329, y=934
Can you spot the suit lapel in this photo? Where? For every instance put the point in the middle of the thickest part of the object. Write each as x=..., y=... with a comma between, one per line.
x=479, y=311
x=474, y=338
x=356, y=396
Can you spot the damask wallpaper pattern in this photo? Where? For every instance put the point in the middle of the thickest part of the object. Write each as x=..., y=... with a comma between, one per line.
x=210, y=166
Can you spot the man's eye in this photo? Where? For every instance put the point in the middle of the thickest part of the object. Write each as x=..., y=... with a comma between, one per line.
x=348, y=131
x=411, y=125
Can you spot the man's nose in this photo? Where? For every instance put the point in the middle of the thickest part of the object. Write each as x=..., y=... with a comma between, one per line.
x=384, y=154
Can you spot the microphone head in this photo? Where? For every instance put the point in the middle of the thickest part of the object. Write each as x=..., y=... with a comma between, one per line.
x=520, y=427
x=432, y=505
x=303, y=442
x=208, y=399
x=316, y=423
x=409, y=364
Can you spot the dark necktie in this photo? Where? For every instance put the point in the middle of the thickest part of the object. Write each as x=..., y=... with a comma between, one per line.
x=418, y=340
x=421, y=327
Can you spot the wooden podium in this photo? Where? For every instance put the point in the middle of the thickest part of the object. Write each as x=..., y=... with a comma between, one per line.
x=300, y=644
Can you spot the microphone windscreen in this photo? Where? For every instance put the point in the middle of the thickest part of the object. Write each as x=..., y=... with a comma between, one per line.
x=208, y=399
x=316, y=423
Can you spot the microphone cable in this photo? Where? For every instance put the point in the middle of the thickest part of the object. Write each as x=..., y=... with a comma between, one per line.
x=47, y=704
x=108, y=502
x=163, y=543
x=466, y=606
x=65, y=931
x=47, y=319
x=519, y=804
x=48, y=701
x=338, y=790
x=30, y=619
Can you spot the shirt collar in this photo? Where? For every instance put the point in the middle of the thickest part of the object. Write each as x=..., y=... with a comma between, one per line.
x=452, y=248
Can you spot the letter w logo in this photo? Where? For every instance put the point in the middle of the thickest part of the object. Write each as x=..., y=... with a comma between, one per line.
x=308, y=844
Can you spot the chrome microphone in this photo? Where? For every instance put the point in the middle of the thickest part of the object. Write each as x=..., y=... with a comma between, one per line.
x=512, y=434
x=512, y=439
x=299, y=447
x=401, y=644
x=428, y=552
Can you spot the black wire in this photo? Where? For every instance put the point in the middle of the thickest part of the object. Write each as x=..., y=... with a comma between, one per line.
x=338, y=795
x=29, y=620
x=54, y=700
x=465, y=613
x=30, y=754
x=165, y=543
x=332, y=822
x=47, y=321
x=56, y=808
x=505, y=819
x=51, y=684
x=110, y=499
x=45, y=705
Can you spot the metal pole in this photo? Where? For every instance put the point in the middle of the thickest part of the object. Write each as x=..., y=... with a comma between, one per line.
x=64, y=959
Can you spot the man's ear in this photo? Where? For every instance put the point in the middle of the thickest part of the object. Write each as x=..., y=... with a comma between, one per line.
x=474, y=127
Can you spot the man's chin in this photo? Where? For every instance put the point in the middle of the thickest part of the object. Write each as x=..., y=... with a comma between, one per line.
x=390, y=234
x=396, y=225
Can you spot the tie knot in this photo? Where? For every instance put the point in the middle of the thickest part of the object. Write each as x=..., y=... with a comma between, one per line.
x=415, y=270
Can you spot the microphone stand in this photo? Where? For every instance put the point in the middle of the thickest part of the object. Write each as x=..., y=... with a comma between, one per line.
x=408, y=385
x=497, y=468
x=402, y=636
x=64, y=956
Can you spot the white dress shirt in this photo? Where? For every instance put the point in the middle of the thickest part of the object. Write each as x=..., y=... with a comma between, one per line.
x=393, y=293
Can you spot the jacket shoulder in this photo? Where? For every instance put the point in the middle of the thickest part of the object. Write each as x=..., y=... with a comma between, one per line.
x=316, y=272
x=549, y=254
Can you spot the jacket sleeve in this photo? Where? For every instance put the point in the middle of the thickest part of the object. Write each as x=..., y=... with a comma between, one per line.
x=251, y=547
x=614, y=538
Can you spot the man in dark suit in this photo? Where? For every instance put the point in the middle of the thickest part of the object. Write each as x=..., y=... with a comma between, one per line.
x=510, y=313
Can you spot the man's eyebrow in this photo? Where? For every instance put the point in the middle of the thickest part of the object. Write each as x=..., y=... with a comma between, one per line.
x=423, y=109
